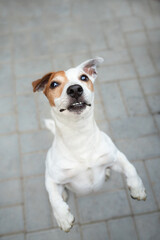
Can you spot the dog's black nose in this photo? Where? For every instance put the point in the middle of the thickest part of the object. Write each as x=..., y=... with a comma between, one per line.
x=75, y=91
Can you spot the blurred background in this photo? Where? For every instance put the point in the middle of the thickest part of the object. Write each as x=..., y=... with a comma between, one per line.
x=39, y=36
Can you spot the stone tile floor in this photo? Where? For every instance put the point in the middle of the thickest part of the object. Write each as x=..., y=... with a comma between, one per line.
x=38, y=36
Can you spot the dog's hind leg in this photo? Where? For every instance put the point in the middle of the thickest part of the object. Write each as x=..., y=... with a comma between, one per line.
x=107, y=173
x=65, y=195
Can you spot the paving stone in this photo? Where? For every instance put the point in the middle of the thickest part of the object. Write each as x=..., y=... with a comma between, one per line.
x=148, y=226
x=7, y=105
x=95, y=41
x=112, y=100
x=11, y=220
x=8, y=124
x=133, y=98
x=154, y=35
x=143, y=206
x=113, y=33
x=22, y=46
x=56, y=234
x=95, y=231
x=5, y=55
x=70, y=46
x=157, y=118
x=61, y=63
x=33, y=66
x=40, y=43
x=5, y=41
x=155, y=54
x=13, y=237
x=132, y=127
x=9, y=160
x=154, y=103
x=33, y=164
x=133, y=147
x=99, y=112
x=122, y=229
x=149, y=22
x=155, y=6
x=140, y=9
x=44, y=108
x=106, y=206
x=27, y=113
x=89, y=10
x=142, y=61
x=103, y=126
x=10, y=192
x=154, y=173
x=61, y=11
x=136, y=38
x=24, y=85
x=131, y=24
x=29, y=22
x=37, y=208
x=97, y=98
x=39, y=140
x=6, y=80
x=114, y=56
x=78, y=59
x=71, y=41
x=114, y=182
x=117, y=72
x=123, y=7
x=4, y=26
x=65, y=30
x=151, y=85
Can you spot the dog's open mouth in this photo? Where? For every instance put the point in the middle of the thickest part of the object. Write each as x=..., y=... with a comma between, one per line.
x=76, y=107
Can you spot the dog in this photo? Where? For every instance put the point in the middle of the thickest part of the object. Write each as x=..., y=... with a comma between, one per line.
x=81, y=154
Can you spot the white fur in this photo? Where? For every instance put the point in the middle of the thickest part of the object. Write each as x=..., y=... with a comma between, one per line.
x=81, y=153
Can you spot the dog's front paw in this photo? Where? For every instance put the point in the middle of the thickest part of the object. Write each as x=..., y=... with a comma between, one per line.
x=65, y=220
x=138, y=193
x=136, y=188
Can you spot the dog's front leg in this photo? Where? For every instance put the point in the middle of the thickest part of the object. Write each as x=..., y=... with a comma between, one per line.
x=60, y=209
x=134, y=182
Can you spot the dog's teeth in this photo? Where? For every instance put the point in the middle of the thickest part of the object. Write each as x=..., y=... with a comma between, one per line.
x=77, y=104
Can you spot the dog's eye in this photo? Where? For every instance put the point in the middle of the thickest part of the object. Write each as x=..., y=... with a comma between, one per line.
x=54, y=85
x=84, y=78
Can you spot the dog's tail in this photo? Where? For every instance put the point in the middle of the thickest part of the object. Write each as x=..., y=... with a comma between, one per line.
x=50, y=124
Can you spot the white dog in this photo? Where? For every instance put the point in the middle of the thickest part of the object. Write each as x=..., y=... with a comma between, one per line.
x=80, y=153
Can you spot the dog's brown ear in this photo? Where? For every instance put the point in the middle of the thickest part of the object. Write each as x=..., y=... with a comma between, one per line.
x=40, y=84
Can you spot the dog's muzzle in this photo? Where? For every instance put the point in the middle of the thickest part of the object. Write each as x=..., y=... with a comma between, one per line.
x=77, y=103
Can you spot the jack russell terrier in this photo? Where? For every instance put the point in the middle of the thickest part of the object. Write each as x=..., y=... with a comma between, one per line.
x=80, y=154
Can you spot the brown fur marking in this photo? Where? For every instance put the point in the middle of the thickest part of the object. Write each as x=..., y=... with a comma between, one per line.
x=51, y=94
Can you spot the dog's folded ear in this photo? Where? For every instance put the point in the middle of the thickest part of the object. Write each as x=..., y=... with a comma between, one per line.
x=40, y=84
x=90, y=66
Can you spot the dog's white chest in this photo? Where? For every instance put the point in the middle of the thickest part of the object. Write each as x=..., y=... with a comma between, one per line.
x=87, y=180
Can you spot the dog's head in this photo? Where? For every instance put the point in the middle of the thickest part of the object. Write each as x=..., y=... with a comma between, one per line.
x=70, y=91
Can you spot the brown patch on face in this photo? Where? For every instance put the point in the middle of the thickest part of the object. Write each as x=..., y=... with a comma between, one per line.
x=51, y=94
x=88, y=83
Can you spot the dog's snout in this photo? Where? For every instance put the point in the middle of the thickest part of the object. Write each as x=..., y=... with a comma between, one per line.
x=75, y=91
